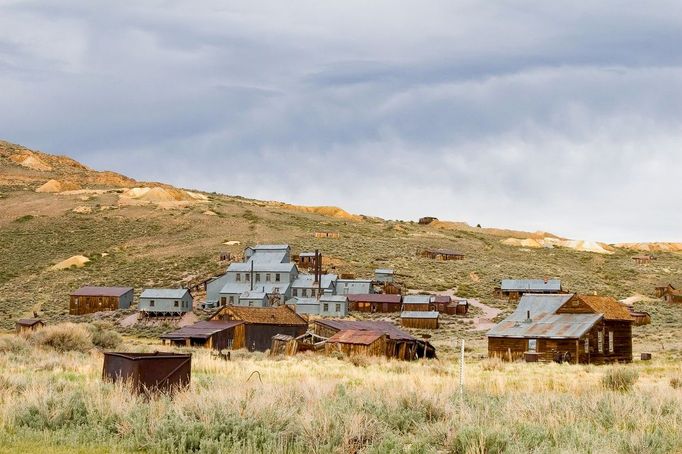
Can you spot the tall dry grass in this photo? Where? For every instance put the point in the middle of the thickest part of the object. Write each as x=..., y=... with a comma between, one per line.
x=324, y=405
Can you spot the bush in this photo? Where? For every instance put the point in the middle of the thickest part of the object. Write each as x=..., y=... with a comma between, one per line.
x=64, y=337
x=13, y=344
x=103, y=337
x=619, y=379
x=676, y=382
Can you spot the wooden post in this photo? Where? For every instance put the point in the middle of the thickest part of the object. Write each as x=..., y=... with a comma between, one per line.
x=461, y=370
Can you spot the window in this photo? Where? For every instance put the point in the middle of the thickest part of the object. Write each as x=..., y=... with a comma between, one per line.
x=610, y=341
x=325, y=307
x=338, y=307
x=267, y=277
x=600, y=341
x=532, y=345
x=223, y=300
x=239, y=277
x=151, y=303
x=277, y=277
x=177, y=304
x=587, y=345
x=250, y=303
x=231, y=299
x=258, y=277
x=295, y=292
x=247, y=277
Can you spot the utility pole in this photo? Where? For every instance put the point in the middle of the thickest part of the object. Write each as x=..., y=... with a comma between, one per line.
x=461, y=370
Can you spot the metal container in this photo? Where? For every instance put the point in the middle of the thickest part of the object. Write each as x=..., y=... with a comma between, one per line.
x=149, y=372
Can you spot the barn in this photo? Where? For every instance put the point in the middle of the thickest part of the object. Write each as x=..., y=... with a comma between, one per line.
x=165, y=301
x=262, y=323
x=574, y=328
x=375, y=302
x=419, y=319
x=89, y=299
x=399, y=344
x=217, y=335
x=26, y=325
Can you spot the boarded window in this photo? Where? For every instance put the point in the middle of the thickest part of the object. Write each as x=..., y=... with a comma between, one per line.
x=600, y=341
x=610, y=341
x=532, y=345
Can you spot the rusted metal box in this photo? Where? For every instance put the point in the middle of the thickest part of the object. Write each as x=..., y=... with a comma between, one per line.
x=149, y=372
x=531, y=357
x=646, y=356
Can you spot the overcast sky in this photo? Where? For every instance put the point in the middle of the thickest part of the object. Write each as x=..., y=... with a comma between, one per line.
x=528, y=115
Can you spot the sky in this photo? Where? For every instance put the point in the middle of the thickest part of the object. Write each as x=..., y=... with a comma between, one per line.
x=557, y=116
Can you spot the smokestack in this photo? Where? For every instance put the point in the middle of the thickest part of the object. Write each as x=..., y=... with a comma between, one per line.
x=319, y=275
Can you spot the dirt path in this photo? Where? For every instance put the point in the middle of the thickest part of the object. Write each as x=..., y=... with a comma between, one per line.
x=484, y=322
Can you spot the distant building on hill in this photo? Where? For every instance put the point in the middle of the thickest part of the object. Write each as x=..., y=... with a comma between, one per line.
x=442, y=254
x=514, y=288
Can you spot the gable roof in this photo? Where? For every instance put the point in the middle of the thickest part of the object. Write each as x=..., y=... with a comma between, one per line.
x=394, y=333
x=262, y=267
x=202, y=329
x=417, y=299
x=306, y=280
x=280, y=315
x=29, y=321
x=164, y=293
x=358, y=337
x=608, y=306
x=530, y=285
x=102, y=291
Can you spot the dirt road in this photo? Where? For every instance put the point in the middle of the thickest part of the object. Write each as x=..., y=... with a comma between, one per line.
x=484, y=322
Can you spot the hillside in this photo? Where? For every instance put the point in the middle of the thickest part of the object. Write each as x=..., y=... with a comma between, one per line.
x=150, y=234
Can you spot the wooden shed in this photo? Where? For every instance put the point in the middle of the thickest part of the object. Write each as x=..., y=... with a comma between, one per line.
x=643, y=259
x=399, y=344
x=442, y=254
x=572, y=328
x=375, y=302
x=26, y=325
x=419, y=319
x=662, y=289
x=357, y=343
x=262, y=323
x=216, y=334
x=513, y=289
x=87, y=300
x=417, y=303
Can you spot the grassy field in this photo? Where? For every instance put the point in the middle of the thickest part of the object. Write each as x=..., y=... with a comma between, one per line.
x=56, y=402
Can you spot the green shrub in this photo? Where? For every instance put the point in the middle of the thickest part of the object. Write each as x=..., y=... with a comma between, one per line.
x=64, y=337
x=619, y=379
x=104, y=337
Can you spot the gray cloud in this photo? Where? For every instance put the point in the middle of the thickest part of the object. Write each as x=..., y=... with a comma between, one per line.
x=511, y=114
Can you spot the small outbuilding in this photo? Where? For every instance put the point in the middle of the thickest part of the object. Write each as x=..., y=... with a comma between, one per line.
x=90, y=299
x=26, y=325
x=357, y=343
x=512, y=289
x=334, y=306
x=216, y=334
x=442, y=254
x=262, y=323
x=165, y=301
x=354, y=286
x=643, y=259
x=417, y=303
x=384, y=275
x=419, y=319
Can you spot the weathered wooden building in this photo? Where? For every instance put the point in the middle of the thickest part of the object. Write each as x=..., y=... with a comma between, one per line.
x=165, y=301
x=399, y=344
x=514, y=288
x=417, y=303
x=669, y=293
x=27, y=325
x=306, y=259
x=357, y=343
x=375, y=302
x=643, y=259
x=568, y=327
x=327, y=235
x=89, y=299
x=662, y=289
x=262, y=323
x=215, y=334
x=442, y=254
x=419, y=319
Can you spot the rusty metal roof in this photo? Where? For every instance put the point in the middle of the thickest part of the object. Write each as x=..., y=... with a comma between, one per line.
x=353, y=336
x=394, y=333
x=442, y=299
x=102, y=291
x=531, y=285
x=202, y=330
x=280, y=315
x=374, y=298
x=544, y=322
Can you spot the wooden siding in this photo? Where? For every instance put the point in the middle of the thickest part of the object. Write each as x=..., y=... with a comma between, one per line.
x=376, y=348
x=419, y=323
x=79, y=305
x=419, y=307
x=374, y=307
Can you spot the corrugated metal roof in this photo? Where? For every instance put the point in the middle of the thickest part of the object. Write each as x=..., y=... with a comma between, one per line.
x=417, y=299
x=545, y=323
x=383, y=271
x=308, y=281
x=333, y=298
x=374, y=298
x=306, y=254
x=262, y=267
x=101, y=291
x=419, y=314
x=239, y=288
x=357, y=337
x=164, y=293
x=442, y=299
x=530, y=285
x=270, y=247
x=389, y=328
x=280, y=315
x=249, y=295
x=202, y=330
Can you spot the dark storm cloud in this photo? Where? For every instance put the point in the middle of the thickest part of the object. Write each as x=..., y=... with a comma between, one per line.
x=512, y=114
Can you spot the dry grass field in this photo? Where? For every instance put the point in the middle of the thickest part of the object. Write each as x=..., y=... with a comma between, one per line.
x=54, y=402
